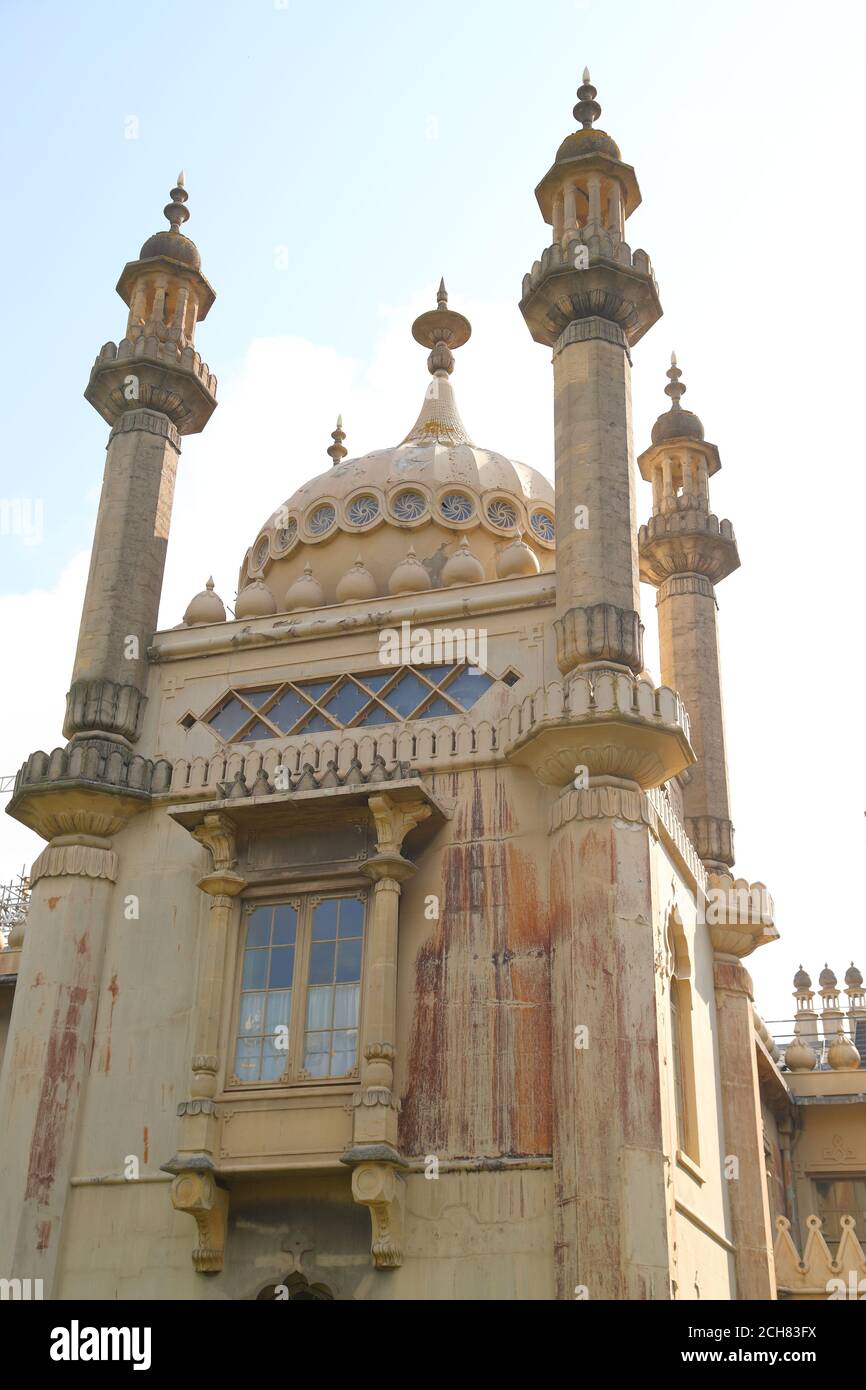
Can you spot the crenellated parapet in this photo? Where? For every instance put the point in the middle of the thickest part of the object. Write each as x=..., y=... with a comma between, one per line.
x=152, y=373
x=686, y=541
x=91, y=787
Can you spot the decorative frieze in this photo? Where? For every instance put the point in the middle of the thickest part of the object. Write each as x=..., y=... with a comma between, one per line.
x=104, y=707
x=152, y=421
x=88, y=857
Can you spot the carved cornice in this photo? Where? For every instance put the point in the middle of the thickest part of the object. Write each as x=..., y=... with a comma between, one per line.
x=104, y=707
x=679, y=584
x=601, y=632
x=712, y=837
x=693, y=541
x=90, y=787
x=379, y=1187
x=614, y=283
x=584, y=330
x=166, y=380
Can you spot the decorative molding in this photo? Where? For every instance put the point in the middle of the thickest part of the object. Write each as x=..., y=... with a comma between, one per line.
x=106, y=707
x=712, y=837
x=584, y=330
x=678, y=584
x=217, y=832
x=818, y=1273
x=79, y=861
x=393, y=821
x=600, y=632
x=152, y=421
x=196, y=1107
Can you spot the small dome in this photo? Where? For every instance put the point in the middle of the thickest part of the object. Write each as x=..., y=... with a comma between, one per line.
x=462, y=567
x=410, y=576
x=677, y=423
x=584, y=142
x=206, y=607
x=356, y=584
x=827, y=978
x=255, y=601
x=853, y=976
x=516, y=560
x=306, y=592
x=802, y=980
x=174, y=245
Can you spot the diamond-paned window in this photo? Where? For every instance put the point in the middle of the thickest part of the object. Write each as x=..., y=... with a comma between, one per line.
x=387, y=695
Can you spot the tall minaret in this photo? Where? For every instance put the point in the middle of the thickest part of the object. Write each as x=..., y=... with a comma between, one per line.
x=152, y=388
x=685, y=550
x=591, y=298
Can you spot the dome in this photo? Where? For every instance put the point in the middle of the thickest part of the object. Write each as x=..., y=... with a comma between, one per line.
x=430, y=491
x=584, y=142
x=827, y=978
x=853, y=976
x=677, y=423
x=174, y=245
x=802, y=980
x=206, y=607
x=255, y=601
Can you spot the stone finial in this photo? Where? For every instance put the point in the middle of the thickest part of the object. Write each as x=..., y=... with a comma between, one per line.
x=206, y=607
x=799, y=1056
x=356, y=584
x=587, y=109
x=842, y=1055
x=337, y=451
x=305, y=593
x=441, y=330
x=462, y=567
x=175, y=211
x=676, y=389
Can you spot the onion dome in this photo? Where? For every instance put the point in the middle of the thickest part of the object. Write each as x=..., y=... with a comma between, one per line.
x=676, y=423
x=802, y=980
x=306, y=592
x=410, y=576
x=255, y=601
x=356, y=584
x=462, y=567
x=516, y=560
x=173, y=243
x=799, y=1056
x=853, y=976
x=206, y=607
x=437, y=484
x=827, y=978
x=842, y=1055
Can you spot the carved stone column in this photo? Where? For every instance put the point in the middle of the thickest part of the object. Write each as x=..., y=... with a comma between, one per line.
x=374, y=1158
x=196, y=1188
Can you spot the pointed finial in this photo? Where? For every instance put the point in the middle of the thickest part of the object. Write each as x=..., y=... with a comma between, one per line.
x=181, y=179
x=441, y=329
x=675, y=389
x=337, y=451
x=587, y=109
x=209, y=585
x=175, y=211
x=442, y=295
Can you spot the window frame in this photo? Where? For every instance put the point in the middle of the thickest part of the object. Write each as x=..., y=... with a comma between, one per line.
x=305, y=897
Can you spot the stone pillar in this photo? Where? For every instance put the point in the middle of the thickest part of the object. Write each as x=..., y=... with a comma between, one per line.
x=373, y=1157
x=196, y=1189
x=611, y=1232
x=125, y=580
x=51, y=1035
x=691, y=664
x=744, y=1140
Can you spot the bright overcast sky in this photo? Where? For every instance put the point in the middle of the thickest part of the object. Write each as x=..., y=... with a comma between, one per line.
x=369, y=149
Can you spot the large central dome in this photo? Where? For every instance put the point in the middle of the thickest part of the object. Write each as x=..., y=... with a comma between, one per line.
x=433, y=497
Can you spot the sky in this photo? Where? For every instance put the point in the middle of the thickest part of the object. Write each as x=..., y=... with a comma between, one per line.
x=338, y=161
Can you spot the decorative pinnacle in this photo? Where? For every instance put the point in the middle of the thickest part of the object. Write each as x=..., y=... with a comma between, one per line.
x=675, y=389
x=587, y=109
x=175, y=211
x=337, y=451
x=441, y=329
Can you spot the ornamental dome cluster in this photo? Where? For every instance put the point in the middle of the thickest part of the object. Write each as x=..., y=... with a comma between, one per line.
x=435, y=511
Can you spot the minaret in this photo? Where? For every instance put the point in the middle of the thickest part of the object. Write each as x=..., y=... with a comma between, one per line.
x=685, y=551
x=152, y=388
x=591, y=298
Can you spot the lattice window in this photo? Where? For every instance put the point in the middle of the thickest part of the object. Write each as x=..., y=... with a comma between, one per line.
x=384, y=696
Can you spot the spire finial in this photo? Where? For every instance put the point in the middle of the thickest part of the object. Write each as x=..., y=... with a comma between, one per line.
x=675, y=389
x=587, y=109
x=441, y=329
x=175, y=211
x=337, y=450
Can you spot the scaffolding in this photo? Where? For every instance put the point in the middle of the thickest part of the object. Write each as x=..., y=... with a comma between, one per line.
x=14, y=899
